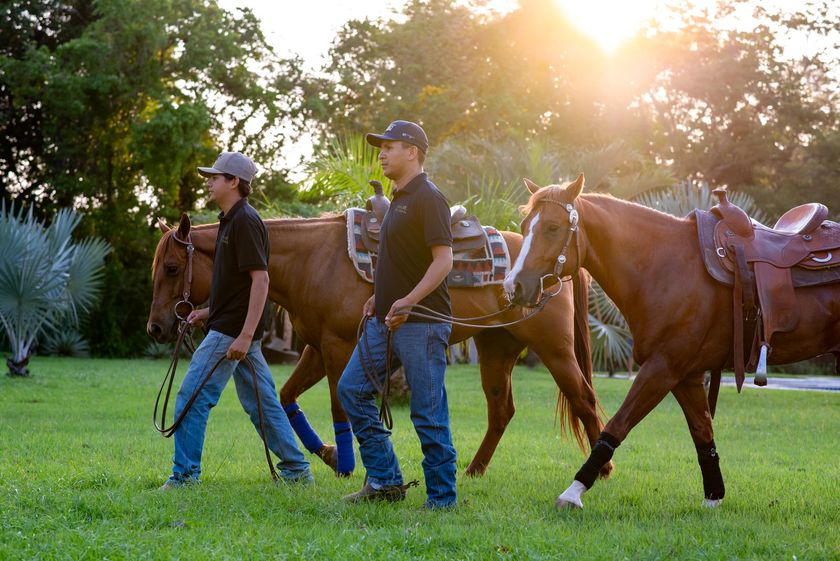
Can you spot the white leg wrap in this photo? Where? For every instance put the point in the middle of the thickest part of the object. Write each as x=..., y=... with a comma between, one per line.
x=570, y=498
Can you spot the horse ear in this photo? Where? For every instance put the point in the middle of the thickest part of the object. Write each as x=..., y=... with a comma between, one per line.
x=576, y=187
x=162, y=225
x=532, y=187
x=184, y=226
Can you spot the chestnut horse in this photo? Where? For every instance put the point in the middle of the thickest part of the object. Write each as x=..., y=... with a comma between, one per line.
x=311, y=276
x=649, y=263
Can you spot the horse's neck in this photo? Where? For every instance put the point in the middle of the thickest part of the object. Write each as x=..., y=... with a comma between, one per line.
x=630, y=248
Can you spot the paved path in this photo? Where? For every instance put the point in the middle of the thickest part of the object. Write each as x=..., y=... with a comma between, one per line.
x=815, y=383
x=811, y=383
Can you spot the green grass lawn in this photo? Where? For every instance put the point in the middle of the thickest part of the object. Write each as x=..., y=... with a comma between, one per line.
x=80, y=465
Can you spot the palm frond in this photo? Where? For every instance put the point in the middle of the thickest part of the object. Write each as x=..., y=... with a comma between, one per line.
x=682, y=198
x=342, y=173
x=44, y=276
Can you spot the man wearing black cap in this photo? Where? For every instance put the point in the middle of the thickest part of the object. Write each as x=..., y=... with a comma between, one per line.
x=415, y=257
x=237, y=298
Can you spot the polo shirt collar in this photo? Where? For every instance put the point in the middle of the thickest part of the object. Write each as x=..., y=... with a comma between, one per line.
x=234, y=209
x=412, y=185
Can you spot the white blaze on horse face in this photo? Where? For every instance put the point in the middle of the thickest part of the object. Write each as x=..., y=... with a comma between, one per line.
x=510, y=280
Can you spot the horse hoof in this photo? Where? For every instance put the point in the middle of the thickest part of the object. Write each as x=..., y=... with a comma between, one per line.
x=563, y=504
x=329, y=454
x=606, y=470
x=343, y=473
x=712, y=503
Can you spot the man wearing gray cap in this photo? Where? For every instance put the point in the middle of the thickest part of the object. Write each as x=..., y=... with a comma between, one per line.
x=233, y=322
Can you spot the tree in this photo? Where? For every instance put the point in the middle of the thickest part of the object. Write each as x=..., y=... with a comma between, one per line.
x=109, y=106
x=728, y=106
x=46, y=278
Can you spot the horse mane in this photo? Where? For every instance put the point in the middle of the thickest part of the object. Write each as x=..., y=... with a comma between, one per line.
x=159, y=250
x=557, y=194
x=548, y=194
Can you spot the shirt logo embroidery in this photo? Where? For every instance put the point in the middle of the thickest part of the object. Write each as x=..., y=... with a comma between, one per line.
x=225, y=240
x=402, y=209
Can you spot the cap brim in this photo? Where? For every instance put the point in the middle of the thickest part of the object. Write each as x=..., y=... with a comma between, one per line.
x=207, y=172
x=376, y=139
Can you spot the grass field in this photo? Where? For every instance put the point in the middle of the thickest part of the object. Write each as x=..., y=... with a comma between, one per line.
x=80, y=465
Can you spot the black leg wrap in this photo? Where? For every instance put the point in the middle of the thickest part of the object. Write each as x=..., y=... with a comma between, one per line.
x=709, y=461
x=601, y=453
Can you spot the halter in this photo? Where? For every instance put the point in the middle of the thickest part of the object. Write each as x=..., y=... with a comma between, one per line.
x=556, y=274
x=187, y=276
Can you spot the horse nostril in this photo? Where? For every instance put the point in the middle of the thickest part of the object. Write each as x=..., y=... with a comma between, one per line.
x=154, y=330
x=517, y=291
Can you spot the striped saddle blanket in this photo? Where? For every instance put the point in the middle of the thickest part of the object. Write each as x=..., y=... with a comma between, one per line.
x=480, y=253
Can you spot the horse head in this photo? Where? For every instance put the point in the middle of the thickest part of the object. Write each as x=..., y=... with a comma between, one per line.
x=181, y=274
x=551, y=246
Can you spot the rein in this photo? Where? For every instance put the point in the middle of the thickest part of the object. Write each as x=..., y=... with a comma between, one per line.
x=185, y=337
x=384, y=389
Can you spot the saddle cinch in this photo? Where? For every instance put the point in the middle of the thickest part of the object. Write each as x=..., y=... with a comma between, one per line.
x=764, y=266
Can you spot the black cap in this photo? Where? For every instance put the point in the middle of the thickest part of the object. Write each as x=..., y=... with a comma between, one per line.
x=405, y=131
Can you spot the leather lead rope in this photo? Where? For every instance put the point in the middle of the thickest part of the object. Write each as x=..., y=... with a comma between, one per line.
x=384, y=389
x=185, y=333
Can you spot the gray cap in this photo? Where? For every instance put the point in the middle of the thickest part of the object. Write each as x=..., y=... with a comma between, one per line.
x=232, y=163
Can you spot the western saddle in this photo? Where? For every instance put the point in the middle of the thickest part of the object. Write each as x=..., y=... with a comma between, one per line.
x=767, y=264
x=467, y=232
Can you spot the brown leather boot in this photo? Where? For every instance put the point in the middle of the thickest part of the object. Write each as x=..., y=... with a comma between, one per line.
x=391, y=493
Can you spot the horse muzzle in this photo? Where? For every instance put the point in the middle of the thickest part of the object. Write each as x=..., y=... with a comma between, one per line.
x=526, y=290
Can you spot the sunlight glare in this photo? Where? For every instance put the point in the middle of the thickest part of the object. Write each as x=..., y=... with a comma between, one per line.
x=609, y=22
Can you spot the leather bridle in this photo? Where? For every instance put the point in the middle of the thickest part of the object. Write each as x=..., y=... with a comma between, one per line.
x=188, y=273
x=560, y=262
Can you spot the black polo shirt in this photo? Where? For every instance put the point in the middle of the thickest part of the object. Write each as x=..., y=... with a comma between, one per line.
x=241, y=246
x=417, y=220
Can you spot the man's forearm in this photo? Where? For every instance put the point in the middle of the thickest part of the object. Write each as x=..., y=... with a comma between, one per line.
x=256, y=305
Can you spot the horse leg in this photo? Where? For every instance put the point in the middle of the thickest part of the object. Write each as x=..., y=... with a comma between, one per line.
x=651, y=385
x=576, y=390
x=342, y=455
x=497, y=351
x=691, y=396
x=308, y=372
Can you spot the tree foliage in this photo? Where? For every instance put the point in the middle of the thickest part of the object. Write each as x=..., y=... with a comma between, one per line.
x=109, y=105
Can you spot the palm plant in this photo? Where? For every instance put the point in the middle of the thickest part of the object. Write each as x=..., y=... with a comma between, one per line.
x=682, y=198
x=341, y=174
x=46, y=278
x=495, y=202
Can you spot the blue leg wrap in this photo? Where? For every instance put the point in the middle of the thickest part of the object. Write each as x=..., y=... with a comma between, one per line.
x=310, y=439
x=344, y=442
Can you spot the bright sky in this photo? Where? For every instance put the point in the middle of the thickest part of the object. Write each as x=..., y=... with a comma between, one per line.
x=308, y=28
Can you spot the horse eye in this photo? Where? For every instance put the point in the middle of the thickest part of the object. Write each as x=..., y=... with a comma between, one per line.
x=172, y=270
x=552, y=228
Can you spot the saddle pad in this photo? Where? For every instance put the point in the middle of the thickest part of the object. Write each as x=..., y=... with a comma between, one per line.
x=486, y=263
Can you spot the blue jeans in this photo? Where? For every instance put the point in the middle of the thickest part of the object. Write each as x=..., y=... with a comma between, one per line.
x=421, y=349
x=189, y=437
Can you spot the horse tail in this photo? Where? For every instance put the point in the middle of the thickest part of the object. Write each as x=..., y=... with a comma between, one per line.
x=583, y=354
